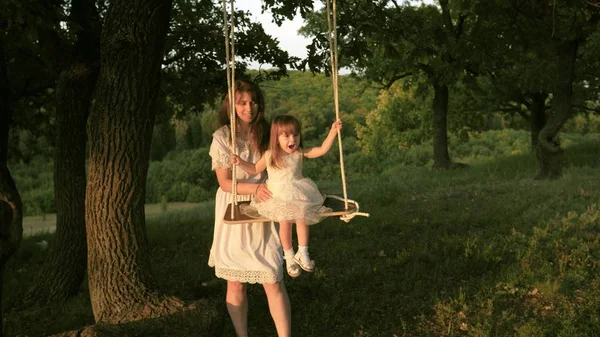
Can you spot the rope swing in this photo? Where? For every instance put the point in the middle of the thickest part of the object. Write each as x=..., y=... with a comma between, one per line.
x=230, y=70
x=350, y=208
x=333, y=55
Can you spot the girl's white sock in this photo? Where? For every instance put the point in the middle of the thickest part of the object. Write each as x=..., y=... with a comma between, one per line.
x=288, y=253
x=303, y=252
x=303, y=249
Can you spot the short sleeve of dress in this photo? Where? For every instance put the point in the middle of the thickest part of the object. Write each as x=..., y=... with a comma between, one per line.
x=220, y=150
x=268, y=158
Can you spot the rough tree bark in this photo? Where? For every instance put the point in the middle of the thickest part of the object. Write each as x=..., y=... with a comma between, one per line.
x=11, y=206
x=122, y=288
x=63, y=272
x=441, y=157
x=549, y=153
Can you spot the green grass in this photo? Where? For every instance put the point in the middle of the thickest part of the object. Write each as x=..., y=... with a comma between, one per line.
x=483, y=251
x=39, y=224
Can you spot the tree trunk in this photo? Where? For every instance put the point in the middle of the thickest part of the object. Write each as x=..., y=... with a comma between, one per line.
x=11, y=206
x=2, y=267
x=549, y=152
x=64, y=270
x=441, y=157
x=538, y=116
x=121, y=284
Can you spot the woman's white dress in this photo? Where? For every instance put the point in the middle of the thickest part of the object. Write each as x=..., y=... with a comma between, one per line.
x=248, y=253
x=295, y=197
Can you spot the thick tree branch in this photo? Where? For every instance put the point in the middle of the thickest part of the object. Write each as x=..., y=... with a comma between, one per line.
x=595, y=4
x=396, y=4
x=387, y=84
x=586, y=108
x=447, y=19
x=515, y=108
x=425, y=68
x=460, y=26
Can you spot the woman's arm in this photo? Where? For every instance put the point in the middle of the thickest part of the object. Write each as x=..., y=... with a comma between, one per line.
x=319, y=151
x=225, y=182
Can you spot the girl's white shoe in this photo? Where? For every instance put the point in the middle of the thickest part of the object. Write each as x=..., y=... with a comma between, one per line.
x=304, y=261
x=292, y=267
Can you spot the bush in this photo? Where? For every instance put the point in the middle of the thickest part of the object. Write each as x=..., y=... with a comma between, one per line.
x=179, y=174
x=198, y=194
x=39, y=201
x=35, y=181
x=493, y=143
x=583, y=123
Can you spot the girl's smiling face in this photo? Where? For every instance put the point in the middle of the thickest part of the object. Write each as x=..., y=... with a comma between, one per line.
x=245, y=107
x=289, y=140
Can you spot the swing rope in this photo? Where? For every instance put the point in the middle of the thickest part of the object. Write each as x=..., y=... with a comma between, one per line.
x=230, y=69
x=333, y=55
x=332, y=35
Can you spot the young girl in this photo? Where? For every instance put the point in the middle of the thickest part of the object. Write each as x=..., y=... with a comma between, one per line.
x=294, y=197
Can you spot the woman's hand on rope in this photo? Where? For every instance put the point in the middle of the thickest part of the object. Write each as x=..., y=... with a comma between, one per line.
x=262, y=193
x=235, y=160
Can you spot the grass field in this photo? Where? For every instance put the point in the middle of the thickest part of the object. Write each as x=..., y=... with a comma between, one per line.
x=45, y=224
x=483, y=251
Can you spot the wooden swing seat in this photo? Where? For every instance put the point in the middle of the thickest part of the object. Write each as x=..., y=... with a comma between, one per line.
x=337, y=206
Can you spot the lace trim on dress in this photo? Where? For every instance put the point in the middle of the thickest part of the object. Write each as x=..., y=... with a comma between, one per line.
x=224, y=161
x=288, y=211
x=246, y=276
x=249, y=276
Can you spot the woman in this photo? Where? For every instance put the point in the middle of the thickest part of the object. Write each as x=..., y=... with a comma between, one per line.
x=246, y=253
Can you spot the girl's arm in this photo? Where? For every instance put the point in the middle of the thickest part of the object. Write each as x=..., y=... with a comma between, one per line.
x=225, y=182
x=319, y=151
x=249, y=167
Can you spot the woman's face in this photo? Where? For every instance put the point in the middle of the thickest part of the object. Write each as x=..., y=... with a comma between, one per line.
x=245, y=107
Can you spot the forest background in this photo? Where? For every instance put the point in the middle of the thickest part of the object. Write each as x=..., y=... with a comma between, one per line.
x=384, y=129
x=471, y=131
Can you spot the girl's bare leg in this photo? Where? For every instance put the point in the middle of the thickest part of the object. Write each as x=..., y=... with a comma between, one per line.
x=303, y=233
x=237, y=306
x=302, y=257
x=280, y=308
x=285, y=234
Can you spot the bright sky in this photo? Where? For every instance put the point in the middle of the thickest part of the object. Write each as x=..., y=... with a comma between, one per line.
x=287, y=34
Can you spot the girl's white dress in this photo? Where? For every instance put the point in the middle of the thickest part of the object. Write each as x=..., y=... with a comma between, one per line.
x=248, y=253
x=295, y=197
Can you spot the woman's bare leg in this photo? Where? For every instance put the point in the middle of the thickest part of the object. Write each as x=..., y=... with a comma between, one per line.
x=237, y=306
x=280, y=308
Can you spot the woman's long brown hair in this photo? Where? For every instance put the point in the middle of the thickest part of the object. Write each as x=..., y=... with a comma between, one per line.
x=283, y=124
x=258, y=125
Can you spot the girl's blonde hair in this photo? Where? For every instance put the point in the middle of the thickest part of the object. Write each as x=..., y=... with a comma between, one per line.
x=282, y=124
